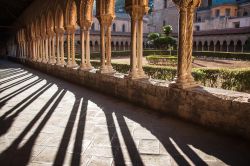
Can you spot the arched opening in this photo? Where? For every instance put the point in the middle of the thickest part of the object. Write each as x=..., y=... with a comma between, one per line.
x=224, y=46
x=217, y=46
x=211, y=46
x=238, y=47
x=59, y=18
x=123, y=28
x=112, y=45
x=96, y=46
x=117, y=46
x=231, y=46
x=194, y=46
x=126, y=45
x=71, y=14
x=205, y=47
x=200, y=46
x=114, y=27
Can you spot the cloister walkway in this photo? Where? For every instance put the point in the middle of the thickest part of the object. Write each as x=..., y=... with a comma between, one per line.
x=47, y=121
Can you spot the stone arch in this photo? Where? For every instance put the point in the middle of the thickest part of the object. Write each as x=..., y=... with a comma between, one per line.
x=123, y=28
x=231, y=46
x=112, y=45
x=43, y=26
x=117, y=46
x=199, y=46
x=224, y=46
x=205, y=47
x=194, y=46
x=114, y=27
x=238, y=47
x=50, y=22
x=37, y=27
x=71, y=13
x=217, y=46
x=211, y=45
x=59, y=18
x=126, y=45
x=86, y=12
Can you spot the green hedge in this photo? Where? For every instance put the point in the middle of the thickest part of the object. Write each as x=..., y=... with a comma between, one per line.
x=223, y=55
x=230, y=79
x=220, y=55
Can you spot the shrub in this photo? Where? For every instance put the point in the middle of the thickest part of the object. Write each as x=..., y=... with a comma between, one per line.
x=230, y=79
x=162, y=60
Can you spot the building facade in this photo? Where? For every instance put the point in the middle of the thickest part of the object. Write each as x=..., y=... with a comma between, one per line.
x=219, y=25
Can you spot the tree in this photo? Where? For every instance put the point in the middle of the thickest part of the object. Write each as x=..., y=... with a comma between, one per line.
x=162, y=41
x=167, y=30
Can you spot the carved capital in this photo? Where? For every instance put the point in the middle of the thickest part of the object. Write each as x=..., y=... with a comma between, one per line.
x=184, y=4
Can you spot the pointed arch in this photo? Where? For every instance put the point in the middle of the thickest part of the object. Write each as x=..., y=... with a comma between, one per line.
x=71, y=13
x=50, y=22
x=59, y=18
x=86, y=12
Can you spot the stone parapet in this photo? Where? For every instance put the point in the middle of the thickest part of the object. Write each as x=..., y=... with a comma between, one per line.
x=224, y=110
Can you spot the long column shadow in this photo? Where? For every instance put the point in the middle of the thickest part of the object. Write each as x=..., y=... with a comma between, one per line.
x=7, y=122
x=12, y=74
x=16, y=83
x=24, y=153
x=13, y=78
x=6, y=72
x=61, y=153
x=115, y=143
x=128, y=139
x=76, y=157
x=23, y=101
x=17, y=92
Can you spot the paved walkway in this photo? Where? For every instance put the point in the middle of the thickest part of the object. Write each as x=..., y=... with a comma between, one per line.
x=46, y=121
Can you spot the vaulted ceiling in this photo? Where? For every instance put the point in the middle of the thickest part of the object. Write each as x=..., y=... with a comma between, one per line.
x=10, y=10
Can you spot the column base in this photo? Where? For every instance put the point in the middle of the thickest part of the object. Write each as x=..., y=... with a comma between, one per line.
x=84, y=67
x=105, y=70
x=137, y=75
x=44, y=61
x=183, y=85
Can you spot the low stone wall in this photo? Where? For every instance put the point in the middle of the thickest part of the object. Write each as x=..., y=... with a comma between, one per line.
x=214, y=108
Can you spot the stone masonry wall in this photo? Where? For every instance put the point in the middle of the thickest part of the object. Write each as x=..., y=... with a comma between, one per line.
x=224, y=110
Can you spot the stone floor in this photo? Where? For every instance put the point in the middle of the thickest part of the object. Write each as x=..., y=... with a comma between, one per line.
x=47, y=121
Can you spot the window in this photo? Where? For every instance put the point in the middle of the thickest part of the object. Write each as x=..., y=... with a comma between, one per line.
x=245, y=14
x=93, y=27
x=165, y=3
x=199, y=19
x=236, y=24
x=197, y=28
x=164, y=23
x=123, y=28
x=217, y=13
x=227, y=13
x=114, y=27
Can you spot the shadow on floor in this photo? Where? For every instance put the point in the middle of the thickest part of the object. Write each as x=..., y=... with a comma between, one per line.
x=181, y=140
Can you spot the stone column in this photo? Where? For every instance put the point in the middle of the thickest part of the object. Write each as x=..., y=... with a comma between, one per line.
x=140, y=48
x=73, y=54
x=88, y=64
x=53, y=50
x=62, y=48
x=69, y=63
x=186, y=16
x=83, y=64
x=242, y=48
x=136, y=9
x=103, y=68
x=105, y=14
x=49, y=50
x=58, y=61
x=85, y=41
